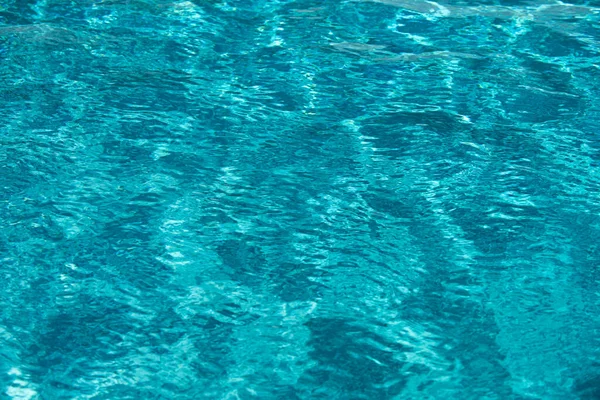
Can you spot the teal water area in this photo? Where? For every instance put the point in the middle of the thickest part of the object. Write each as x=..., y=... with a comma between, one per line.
x=386, y=199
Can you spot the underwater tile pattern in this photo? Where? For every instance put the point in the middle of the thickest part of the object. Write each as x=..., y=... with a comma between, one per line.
x=299, y=199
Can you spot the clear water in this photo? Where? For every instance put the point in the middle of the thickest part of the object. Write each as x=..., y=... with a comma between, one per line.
x=390, y=199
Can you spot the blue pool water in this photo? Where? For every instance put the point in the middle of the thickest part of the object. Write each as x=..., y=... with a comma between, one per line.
x=299, y=199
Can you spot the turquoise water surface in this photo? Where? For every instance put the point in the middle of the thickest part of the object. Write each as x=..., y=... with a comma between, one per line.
x=332, y=199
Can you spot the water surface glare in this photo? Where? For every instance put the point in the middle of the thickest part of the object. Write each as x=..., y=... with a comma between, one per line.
x=299, y=199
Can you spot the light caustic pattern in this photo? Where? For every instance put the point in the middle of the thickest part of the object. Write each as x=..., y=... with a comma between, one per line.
x=385, y=199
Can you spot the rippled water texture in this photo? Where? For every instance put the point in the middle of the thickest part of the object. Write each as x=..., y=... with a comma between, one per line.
x=385, y=199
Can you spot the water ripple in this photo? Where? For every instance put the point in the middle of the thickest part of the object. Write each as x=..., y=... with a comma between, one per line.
x=297, y=199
